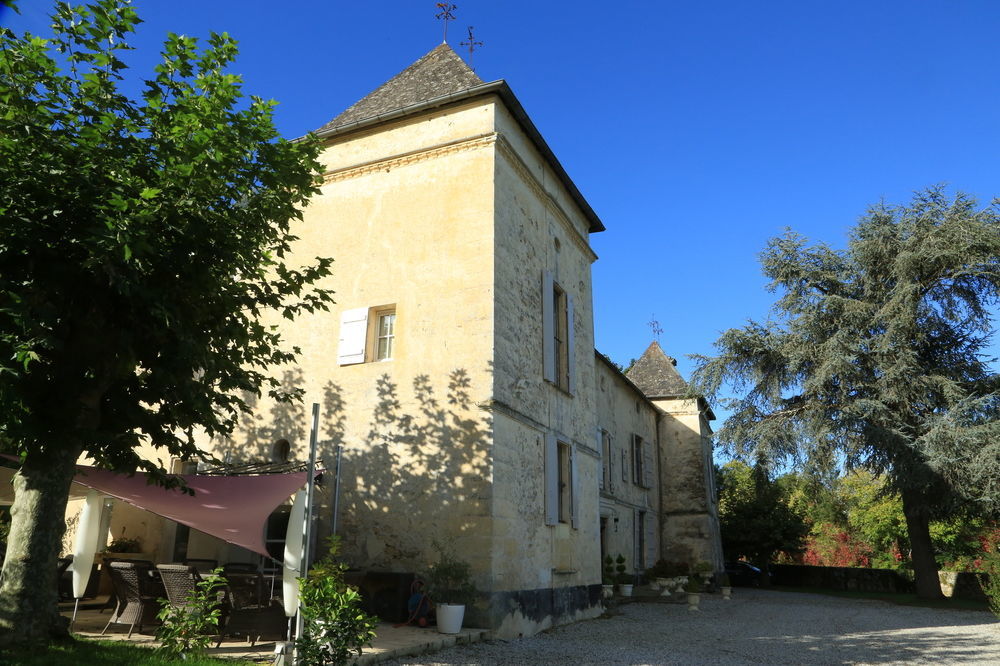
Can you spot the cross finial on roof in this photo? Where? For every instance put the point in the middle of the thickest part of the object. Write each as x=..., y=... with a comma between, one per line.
x=445, y=15
x=655, y=327
x=472, y=44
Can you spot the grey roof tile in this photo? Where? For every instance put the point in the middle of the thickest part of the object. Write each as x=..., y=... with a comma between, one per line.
x=438, y=73
x=656, y=374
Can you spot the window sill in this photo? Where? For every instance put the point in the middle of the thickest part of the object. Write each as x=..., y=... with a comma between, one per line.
x=564, y=572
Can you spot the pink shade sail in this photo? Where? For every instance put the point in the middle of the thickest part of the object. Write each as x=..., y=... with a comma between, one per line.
x=232, y=508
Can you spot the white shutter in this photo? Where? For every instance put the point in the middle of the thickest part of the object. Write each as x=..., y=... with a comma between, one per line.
x=548, y=333
x=551, y=480
x=574, y=487
x=353, y=336
x=647, y=464
x=570, y=344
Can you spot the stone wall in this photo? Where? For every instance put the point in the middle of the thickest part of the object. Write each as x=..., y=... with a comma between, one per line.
x=841, y=578
x=623, y=411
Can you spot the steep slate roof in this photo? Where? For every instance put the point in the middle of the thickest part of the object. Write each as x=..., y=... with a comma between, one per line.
x=438, y=79
x=656, y=375
x=440, y=72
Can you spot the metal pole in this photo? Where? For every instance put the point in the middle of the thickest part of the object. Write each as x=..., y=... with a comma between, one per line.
x=336, y=491
x=307, y=514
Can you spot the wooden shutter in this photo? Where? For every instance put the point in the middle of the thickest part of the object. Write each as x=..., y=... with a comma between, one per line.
x=574, y=490
x=548, y=333
x=624, y=465
x=551, y=480
x=647, y=464
x=353, y=336
x=570, y=345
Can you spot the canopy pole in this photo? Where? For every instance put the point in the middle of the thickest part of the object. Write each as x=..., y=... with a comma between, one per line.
x=76, y=605
x=336, y=491
x=304, y=562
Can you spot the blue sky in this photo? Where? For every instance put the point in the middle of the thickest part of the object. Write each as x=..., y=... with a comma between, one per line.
x=696, y=130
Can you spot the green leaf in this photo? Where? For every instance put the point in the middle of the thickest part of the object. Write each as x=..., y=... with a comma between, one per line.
x=150, y=192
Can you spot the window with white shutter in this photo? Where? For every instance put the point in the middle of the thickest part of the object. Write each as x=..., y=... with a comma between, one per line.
x=558, y=339
x=367, y=334
x=353, y=336
x=647, y=464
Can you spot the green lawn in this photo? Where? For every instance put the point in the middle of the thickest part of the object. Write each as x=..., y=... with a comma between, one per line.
x=101, y=653
x=899, y=599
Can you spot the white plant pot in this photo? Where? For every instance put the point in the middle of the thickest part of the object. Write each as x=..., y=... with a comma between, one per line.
x=607, y=591
x=625, y=589
x=693, y=599
x=727, y=592
x=449, y=618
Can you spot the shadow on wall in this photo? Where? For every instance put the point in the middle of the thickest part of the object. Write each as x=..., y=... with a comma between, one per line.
x=420, y=475
x=415, y=468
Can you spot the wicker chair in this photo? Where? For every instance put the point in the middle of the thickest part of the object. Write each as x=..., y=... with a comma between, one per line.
x=134, y=605
x=112, y=601
x=178, y=582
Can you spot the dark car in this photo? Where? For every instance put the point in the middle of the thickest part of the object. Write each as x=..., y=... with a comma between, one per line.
x=743, y=574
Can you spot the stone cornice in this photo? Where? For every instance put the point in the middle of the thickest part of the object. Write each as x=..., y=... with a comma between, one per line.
x=522, y=170
x=411, y=157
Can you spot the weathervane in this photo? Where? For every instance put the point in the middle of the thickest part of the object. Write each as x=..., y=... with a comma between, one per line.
x=472, y=44
x=655, y=327
x=445, y=15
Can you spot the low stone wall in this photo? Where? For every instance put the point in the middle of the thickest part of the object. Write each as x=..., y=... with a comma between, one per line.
x=841, y=578
x=960, y=585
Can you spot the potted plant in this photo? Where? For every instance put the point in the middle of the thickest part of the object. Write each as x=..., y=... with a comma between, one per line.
x=693, y=588
x=608, y=578
x=724, y=584
x=451, y=589
x=624, y=580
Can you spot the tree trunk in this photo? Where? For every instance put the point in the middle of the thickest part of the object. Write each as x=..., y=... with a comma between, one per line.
x=28, y=595
x=925, y=568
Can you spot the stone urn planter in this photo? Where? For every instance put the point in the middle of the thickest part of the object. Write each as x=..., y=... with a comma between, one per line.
x=727, y=592
x=694, y=598
x=607, y=591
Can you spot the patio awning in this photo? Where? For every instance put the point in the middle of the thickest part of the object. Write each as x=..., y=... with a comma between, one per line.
x=232, y=508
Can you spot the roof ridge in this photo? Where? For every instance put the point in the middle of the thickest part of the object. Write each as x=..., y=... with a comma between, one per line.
x=656, y=374
x=438, y=72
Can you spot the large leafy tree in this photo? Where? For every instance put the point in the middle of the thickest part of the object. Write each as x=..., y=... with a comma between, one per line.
x=756, y=520
x=874, y=357
x=142, y=249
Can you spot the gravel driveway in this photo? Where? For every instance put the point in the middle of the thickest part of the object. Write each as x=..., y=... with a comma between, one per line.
x=755, y=627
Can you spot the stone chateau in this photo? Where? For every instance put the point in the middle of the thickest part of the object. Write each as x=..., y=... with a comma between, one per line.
x=458, y=371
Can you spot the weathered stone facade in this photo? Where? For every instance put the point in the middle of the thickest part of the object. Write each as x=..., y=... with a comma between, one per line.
x=484, y=429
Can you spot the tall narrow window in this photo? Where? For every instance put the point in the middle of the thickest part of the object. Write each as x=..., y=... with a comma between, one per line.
x=557, y=330
x=565, y=484
x=385, y=334
x=606, y=460
x=559, y=337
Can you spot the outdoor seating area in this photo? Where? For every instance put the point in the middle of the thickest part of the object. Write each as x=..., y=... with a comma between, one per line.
x=390, y=642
